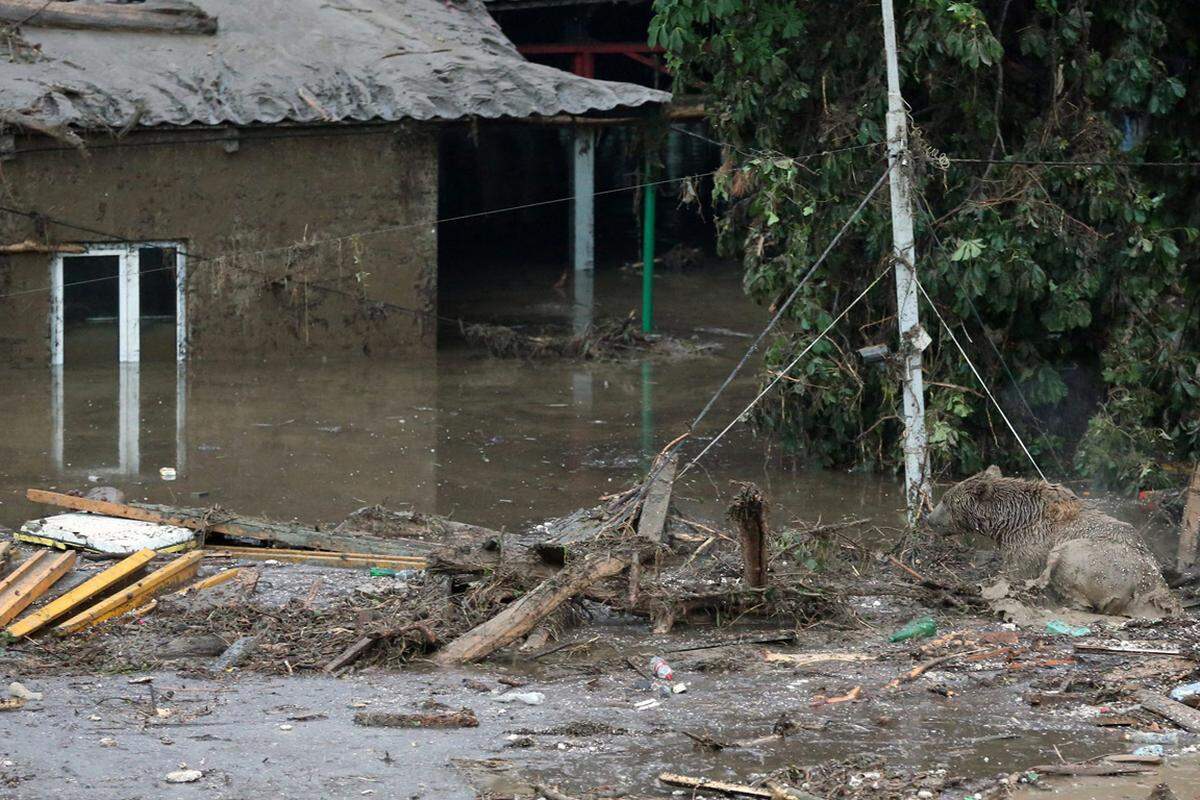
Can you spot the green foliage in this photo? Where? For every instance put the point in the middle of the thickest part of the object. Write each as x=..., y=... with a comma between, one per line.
x=1084, y=278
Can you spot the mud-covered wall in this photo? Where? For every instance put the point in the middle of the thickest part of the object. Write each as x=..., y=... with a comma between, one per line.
x=230, y=199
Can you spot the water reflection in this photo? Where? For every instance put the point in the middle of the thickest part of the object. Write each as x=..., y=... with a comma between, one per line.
x=496, y=442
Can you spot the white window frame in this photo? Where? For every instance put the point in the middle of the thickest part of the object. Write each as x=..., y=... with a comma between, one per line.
x=128, y=298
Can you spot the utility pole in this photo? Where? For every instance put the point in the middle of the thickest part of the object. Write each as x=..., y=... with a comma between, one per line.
x=913, y=338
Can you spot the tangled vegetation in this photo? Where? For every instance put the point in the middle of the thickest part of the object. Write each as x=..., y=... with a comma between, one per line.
x=1083, y=276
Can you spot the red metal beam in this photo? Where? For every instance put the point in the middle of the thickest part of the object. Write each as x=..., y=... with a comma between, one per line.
x=592, y=48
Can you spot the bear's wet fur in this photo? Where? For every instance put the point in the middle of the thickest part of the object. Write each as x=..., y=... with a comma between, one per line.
x=1044, y=532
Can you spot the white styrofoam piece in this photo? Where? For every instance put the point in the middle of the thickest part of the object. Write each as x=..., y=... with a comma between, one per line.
x=107, y=534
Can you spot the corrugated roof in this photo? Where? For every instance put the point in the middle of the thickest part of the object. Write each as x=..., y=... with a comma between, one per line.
x=302, y=61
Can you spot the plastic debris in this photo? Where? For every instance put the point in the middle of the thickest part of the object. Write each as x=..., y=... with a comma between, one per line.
x=1059, y=628
x=528, y=698
x=1153, y=737
x=19, y=691
x=1149, y=750
x=661, y=669
x=184, y=776
x=1188, y=693
x=921, y=628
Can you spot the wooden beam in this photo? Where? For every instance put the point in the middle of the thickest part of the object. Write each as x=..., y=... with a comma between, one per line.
x=31, y=580
x=653, y=519
x=243, y=527
x=1184, y=716
x=318, y=557
x=30, y=246
x=154, y=16
x=178, y=571
x=85, y=592
x=520, y=617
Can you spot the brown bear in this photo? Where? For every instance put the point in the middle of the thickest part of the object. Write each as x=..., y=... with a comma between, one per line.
x=1042, y=531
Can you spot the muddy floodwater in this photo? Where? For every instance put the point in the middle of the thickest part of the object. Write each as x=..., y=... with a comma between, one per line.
x=496, y=442
x=503, y=444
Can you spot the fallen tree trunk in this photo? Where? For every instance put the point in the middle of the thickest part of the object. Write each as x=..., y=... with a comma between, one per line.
x=155, y=16
x=523, y=615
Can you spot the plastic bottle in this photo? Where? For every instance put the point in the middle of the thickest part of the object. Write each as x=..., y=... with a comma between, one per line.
x=661, y=669
x=917, y=629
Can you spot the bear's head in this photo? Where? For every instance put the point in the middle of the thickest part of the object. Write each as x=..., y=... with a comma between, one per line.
x=1000, y=507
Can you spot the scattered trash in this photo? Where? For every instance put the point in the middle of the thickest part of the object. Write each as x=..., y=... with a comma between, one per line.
x=19, y=691
x=642, y=705
x=921, y=628
x=1153, y=737
x=661, y=669
x=679, y=688
x=108, y=741
x=1060, y=628
x=463, y=718
x=286, y=727
x=12, y=704
x=528, y=698
x=167, y=473
x=1149, y=750
x=184, y=776
x=235, y=653
x=108, y=535
x=1188, y=694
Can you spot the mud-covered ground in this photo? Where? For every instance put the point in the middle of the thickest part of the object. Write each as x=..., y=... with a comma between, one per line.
x=1017, y=699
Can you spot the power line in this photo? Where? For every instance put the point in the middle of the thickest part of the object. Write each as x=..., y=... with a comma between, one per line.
x=314, y=243
x=772, y=153
x=979, y=378
x=781, y=373
x=1050, y=163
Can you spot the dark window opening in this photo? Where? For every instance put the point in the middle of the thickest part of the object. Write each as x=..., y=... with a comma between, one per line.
x=90, y=308
x=157, y=297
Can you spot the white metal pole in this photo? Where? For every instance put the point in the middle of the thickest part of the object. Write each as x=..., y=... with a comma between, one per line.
x=583, y=226
x=912, y=337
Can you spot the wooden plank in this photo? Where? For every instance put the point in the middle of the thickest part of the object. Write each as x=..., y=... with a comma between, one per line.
x=1183, y=716
x=1189, y=526
x=215, y=579
x=31, y=580
x=154, y=16
x=653, y=520
x=85, y=592
x=737, y=789
x=324, y=559
x=132, y=597
x=242, y=527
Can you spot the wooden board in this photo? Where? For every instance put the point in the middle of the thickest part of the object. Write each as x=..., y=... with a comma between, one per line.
x=178, y=571
x=1184, y=716
x=653, y=520
x=287, y=534
x=318, y=557
x=157, y=16
x=31, y=580
x=93, y=587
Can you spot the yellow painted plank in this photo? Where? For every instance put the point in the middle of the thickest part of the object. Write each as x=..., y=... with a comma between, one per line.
x=85, y=592
x=180, y=570
x=32, y=579
x=212, y=580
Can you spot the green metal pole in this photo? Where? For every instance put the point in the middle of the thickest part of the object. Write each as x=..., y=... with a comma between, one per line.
x=648, y=256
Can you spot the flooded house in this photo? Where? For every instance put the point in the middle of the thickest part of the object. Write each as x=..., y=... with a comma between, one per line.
x=252, y=179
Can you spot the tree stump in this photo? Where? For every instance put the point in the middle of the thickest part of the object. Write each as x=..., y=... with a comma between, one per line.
x=749, y=514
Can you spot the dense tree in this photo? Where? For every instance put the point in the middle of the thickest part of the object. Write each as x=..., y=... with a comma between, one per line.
x=1074, y=287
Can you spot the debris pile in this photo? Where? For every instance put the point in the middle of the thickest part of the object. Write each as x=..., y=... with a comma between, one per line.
x=607, y=340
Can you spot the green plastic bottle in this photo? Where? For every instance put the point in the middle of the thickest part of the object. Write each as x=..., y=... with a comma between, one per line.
x=1059, y=628
x=917, y=629
x=380, y=572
